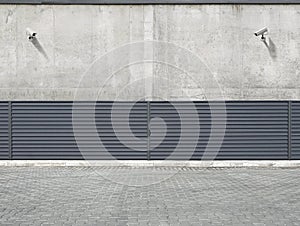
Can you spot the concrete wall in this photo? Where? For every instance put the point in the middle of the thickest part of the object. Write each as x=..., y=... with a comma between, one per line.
x=71, y=38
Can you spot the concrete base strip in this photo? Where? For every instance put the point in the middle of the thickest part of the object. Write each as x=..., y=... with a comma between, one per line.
x=141, y=163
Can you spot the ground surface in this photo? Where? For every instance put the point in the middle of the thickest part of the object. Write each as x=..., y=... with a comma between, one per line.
x=148, y=196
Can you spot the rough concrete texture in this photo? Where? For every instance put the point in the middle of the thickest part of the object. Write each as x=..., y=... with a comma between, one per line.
x=141, y=163
x=71, y=37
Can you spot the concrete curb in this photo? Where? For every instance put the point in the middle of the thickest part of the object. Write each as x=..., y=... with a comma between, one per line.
x=142, y=163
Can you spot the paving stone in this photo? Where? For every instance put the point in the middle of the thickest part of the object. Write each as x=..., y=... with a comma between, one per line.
x=131, y=196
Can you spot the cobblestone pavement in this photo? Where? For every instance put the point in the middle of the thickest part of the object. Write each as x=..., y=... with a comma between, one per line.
x=148, y=196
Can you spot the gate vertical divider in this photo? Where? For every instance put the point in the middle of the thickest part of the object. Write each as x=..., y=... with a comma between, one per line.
x=148, y=130
x=9, y=130
x=289, y=128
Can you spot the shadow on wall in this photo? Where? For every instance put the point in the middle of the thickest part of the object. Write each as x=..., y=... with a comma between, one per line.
x=271, y=48
x=35, y=42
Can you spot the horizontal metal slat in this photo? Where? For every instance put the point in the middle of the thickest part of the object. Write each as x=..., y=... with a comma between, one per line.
x=41, y=126
x=295, y=130
x=4, y=129
x=258, y=122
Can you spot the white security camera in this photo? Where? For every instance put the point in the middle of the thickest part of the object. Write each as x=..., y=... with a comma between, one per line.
x=30, y=33
x=261, y=32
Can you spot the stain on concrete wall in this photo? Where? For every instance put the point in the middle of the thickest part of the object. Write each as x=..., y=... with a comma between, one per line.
x=73, y=37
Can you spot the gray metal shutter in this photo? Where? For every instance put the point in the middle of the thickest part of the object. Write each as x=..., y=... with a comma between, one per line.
x=127, y=148
x=43, y=130
x=295, y=130
x=168, y=113
x=254, y=130
x=4, y=131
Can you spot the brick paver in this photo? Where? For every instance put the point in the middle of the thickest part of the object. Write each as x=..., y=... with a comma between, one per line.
x=148, y=196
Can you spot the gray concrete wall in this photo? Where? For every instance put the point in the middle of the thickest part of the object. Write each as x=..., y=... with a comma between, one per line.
x=71, y=38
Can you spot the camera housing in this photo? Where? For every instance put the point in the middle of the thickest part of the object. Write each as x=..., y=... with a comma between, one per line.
x=261, y=32
x=30, y=33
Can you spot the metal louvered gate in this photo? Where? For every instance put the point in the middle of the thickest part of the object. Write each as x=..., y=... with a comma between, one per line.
x=44, y=130
x=4, y=130
x=295, y=130
x=254, y=130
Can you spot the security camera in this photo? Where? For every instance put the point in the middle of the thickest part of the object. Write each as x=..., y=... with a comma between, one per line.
x=30, y=33
x=261, y=32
